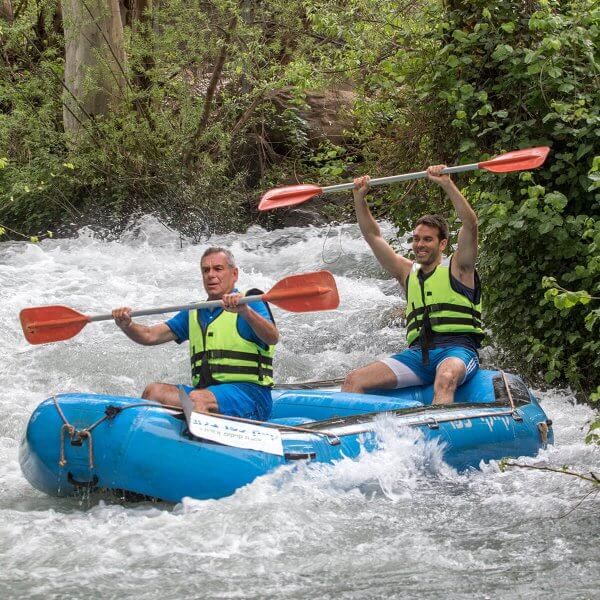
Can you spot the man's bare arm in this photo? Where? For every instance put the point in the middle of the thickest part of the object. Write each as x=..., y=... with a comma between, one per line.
x=396, y=265
x=463, y=263
x=265, y=329
x=142, y=334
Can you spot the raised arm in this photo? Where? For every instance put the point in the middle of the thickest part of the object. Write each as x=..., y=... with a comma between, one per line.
x=142, y=334
x=396, y=265
x=463, y=262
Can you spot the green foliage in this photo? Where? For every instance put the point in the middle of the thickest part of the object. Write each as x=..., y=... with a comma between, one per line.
x=331, y=161
x=186, y=140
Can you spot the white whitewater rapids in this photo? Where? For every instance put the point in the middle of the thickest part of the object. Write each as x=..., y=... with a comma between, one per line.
x=396, y=523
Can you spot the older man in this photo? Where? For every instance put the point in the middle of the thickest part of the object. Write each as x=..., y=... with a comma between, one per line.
x=231, y=347
x=443, y=304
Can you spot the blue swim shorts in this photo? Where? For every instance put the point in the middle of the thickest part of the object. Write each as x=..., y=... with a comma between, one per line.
x=246, y=400
x=410, y=370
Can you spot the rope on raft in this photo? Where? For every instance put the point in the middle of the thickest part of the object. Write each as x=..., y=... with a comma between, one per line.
x=78, y=435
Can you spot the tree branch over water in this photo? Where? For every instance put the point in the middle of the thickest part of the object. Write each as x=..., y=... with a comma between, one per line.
x=592, y=477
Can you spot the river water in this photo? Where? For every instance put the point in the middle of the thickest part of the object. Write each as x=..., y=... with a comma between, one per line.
x=398, y=523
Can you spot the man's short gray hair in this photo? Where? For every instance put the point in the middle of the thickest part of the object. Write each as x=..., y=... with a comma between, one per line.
x=219, y=250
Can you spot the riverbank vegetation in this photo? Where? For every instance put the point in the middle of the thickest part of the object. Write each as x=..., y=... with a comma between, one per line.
x=190, y=110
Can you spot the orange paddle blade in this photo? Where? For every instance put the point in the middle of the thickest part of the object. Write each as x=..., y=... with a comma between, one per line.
x=519, y=160
x=305, y=293
x=43, y=324
x=288, y=196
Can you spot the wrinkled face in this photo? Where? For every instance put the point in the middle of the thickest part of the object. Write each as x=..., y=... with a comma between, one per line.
x=217, y=275
x=427, y=245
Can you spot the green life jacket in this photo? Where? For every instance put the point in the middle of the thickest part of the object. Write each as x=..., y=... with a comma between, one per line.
x=433, y=303
x=219, y=354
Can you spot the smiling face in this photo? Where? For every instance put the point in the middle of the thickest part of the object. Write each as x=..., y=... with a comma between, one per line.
x=218, y=276
x=427, y=245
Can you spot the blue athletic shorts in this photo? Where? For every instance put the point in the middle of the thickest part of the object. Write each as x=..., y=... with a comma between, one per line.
x=247, y=400
x=412, y=358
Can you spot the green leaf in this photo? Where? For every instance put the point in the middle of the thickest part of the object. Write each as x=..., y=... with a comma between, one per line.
x=502, y=52
x=556, y=200
x=554, y=72
x=508, y=27
x=548, y=282
x=583, y=149
x=566, y=88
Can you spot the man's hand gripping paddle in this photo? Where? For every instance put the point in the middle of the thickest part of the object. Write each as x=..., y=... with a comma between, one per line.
x=297, y=293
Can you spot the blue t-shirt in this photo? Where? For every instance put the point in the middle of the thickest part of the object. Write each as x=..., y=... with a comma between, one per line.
x=180, y=326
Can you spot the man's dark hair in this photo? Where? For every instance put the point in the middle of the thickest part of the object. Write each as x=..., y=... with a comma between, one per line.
x=436, y=221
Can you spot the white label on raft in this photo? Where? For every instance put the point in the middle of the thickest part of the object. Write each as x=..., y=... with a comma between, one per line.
x=236, y=434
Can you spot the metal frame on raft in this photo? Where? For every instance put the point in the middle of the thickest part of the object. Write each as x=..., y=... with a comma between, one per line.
x=479, y=410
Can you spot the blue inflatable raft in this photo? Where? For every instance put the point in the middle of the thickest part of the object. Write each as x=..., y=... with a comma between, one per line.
x=76, y=441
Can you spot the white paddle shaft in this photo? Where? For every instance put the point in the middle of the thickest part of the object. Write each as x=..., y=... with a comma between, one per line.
x=396, y=178
x=170, y=309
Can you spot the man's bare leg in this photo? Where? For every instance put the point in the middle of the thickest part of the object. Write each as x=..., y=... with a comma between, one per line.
x=166, y=393
x=450, y=373
x=375, y=375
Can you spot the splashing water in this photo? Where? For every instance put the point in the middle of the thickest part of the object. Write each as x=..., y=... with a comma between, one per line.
x=395, y=523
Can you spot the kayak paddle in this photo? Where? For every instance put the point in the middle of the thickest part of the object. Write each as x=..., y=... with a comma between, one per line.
x=519, y=160
x=297, y=293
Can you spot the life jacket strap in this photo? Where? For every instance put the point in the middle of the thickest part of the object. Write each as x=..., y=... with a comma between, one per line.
x=233, y=355
x=232, y=370
x=443, y=306
x=444, y=321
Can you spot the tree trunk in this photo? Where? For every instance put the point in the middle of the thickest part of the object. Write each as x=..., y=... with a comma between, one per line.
x=141, y=21
x=94, y=60
x=6, y=11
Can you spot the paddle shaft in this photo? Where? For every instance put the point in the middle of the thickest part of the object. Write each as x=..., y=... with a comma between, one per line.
x=268, y=297
x=152, y=311
x=396, y=178
x=170, y=309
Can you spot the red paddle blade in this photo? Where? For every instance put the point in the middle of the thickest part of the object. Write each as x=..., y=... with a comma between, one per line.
x=43, y=324
x=288, y=196
x=519, y=160
x=305, y=293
